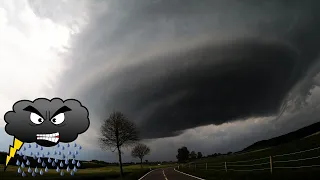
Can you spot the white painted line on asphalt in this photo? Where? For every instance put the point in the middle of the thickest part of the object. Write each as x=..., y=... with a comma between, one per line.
x=164, y=175
x=146, y=174
x=188, y=174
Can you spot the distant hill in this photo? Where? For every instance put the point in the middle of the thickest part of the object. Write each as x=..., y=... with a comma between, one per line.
x=295, y=135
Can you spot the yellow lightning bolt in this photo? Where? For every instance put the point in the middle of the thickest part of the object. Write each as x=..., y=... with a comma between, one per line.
x=17, y=144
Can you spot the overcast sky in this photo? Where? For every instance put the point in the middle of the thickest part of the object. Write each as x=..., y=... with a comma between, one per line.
x=212, y=75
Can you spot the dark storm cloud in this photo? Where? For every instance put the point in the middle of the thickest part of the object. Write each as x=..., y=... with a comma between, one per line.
x=143, y=58
x=22, y=126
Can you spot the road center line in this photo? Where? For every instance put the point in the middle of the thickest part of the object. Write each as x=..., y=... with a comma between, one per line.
x=164, y=175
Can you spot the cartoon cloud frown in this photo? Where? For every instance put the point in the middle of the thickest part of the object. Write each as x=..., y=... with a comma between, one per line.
x=47, y=122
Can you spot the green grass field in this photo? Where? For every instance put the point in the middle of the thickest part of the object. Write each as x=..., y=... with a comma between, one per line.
x=256, y=164
x=132, y=172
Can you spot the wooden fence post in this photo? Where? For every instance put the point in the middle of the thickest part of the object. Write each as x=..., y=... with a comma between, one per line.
x=225, y=166
x=206, y=166
x=271, y=164
x=195, y=166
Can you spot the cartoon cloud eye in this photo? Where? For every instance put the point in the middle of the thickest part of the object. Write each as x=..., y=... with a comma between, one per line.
x=35, y=115
x=36, y=119
x=58, y=119
x=58, y=116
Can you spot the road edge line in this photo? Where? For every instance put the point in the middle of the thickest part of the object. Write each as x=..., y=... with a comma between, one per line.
x=165, y=177
x=188, y=174
x=146, y=174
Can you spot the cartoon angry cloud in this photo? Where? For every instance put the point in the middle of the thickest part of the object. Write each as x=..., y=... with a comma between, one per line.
x=45, y=122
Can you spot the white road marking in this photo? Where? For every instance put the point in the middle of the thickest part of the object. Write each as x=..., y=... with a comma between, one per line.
x=188, y=174
x=146, y=174
x=164, y=175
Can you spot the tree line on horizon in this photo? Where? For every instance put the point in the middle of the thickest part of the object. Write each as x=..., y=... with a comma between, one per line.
x=184, y=155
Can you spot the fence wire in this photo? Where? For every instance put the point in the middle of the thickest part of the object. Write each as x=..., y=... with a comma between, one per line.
x=295, y=160
x=244, y=165
x=297, y=167
x=280, y=155
x=261, y=169
x=233, y=162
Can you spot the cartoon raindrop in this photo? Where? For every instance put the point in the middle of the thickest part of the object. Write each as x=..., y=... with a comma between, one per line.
x=21, y=154
x=19, y=170
x=29, y=146
x=36, y=170
x=58, y=145
x=73, y=161
x=24, y=148
x=34, y=157
x=41, y=148
x=29, y=170
x=62, y=147
x=28, y=162
x=46, y=169
x=22, y=165
x=23, y=174
x=18, y=163
x=62, y=173
x=61, y=164
x=39, y=160
x=25, y=157
x=58, y=170
x=75, y=169
x=66, y=161
x=80, y=147
x=49, y=160
x=78, y=164
x=75, y=144
x=38, y=153
x=55, y=153
x=59, y=152
x=37, y=145
x=76, y=153
x=69, y=152
x=63, y=156
x=68, y=145
x=41, y=172
x=71, y=173
x=43, y=164
x=48, y=153
x=33, y=174
x=68, y=169
x=42, y=156
x=56, y=160
x=53, y=164
x=31, y=153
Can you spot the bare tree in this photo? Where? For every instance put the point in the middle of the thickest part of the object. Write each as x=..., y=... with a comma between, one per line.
x=139, y=151
x=117, y=132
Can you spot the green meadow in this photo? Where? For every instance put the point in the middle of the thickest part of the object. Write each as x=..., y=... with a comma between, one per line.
x=132, y=172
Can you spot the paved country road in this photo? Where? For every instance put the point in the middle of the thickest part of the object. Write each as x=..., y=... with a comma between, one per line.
x=167, y=174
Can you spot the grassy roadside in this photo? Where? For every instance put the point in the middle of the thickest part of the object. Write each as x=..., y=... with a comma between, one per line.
x=132, y=172
x=288, y=174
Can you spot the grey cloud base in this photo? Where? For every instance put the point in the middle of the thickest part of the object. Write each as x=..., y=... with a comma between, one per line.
x=256, y=54
x=19, y=125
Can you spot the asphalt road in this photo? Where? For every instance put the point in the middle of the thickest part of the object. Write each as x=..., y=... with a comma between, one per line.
x=167, y=174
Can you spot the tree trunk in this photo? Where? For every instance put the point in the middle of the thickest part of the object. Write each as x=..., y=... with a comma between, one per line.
x=141, y=162
x=120, y=162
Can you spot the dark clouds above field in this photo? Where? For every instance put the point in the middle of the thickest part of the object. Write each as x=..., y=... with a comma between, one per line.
x=175, y=65
x=207, y=74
